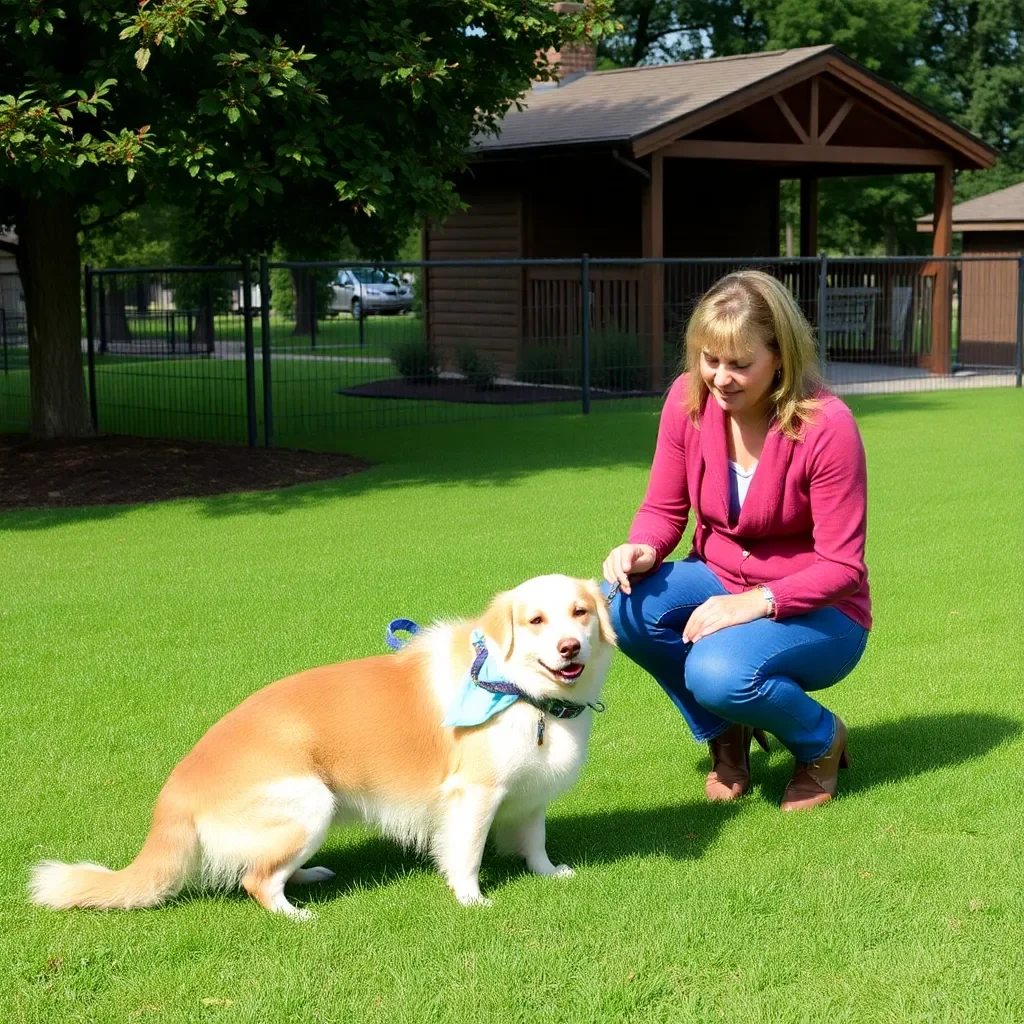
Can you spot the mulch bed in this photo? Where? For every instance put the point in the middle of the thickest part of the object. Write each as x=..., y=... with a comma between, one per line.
x=454, y=390
x=121, y=470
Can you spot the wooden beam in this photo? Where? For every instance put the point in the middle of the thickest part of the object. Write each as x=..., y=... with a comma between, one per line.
x=942, y=245
x=653, y=283
x=797, y=127
x=814, y=108
x=794, y=153
x=957, y=139
x=837, y=119
x=730, y=104
x=808, y=216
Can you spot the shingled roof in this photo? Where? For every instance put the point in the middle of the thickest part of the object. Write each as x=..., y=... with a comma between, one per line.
x=1004, y=209
x=609, y=108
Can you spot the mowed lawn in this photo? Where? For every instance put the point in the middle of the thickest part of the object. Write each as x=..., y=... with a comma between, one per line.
x=126, y=632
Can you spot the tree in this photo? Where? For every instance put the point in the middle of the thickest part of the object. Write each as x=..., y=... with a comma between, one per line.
x=137, y=238
x=253, y=114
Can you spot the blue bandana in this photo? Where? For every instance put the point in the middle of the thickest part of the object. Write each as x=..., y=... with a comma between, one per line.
x=484, y=692
x=472, y=704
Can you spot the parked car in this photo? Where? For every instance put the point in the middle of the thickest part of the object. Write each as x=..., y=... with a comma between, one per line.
x=364, y=291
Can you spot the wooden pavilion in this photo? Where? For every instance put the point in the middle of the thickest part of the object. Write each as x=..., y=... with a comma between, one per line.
x=680, y=160
x=991, y=225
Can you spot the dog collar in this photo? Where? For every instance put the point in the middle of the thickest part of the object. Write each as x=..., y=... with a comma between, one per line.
x=549, y=706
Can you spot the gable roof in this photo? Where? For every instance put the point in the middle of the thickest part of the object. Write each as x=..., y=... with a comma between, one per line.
x=998, y=210
x=606, y=108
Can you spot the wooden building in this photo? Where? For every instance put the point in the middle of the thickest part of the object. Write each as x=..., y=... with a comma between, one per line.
x=992, y=225
x=680, y=160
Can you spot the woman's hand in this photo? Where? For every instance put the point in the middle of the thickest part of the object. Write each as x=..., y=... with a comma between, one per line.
x=725, y=610
x=626, y=559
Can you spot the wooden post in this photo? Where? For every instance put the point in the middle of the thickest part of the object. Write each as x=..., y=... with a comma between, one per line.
x=653, y=226
x=808, y=216
x=942, y=245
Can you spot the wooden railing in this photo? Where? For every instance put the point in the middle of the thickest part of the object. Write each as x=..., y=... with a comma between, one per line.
x=553, y=301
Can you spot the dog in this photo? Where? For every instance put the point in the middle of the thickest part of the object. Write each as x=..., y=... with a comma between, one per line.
x=366, y=740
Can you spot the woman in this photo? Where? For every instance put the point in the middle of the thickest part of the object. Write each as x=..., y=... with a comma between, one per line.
x=772, y=601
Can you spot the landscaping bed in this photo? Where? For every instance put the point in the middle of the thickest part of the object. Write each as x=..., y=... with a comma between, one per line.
x=120, y=470
x=455, y=389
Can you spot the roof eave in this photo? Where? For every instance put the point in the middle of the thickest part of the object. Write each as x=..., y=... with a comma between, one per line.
x=1011, y=225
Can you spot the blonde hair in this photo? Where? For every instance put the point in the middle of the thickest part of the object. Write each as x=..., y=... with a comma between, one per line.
x=733, y=316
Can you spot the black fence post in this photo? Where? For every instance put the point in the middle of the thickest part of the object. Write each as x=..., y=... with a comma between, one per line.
x=823, y=315
x=3, y=335
x=585, y=328
x=1020, y=320
x=312, y=309
x=90, y=348
x=250, y=354
x=268, y=399
x=362, y=325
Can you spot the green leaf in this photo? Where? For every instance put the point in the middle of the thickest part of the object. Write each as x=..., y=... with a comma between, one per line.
x=142, y=58
x=233, y=113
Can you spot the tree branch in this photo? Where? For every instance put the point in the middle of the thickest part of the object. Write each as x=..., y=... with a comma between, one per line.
x=111, y=217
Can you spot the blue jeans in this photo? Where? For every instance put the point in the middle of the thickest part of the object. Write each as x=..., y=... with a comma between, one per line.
x=757, y=673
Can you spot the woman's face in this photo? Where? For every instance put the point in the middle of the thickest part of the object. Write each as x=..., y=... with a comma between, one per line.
x=740, y=385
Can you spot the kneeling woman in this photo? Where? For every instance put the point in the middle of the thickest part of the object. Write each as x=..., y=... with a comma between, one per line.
x=772, y=601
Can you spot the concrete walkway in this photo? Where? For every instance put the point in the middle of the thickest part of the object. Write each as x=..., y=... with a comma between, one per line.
x=879, y=379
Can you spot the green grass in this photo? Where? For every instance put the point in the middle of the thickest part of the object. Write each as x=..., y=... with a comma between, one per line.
x=127, y=631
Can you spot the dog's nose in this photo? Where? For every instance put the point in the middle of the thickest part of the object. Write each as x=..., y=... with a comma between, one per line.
x=568, y=648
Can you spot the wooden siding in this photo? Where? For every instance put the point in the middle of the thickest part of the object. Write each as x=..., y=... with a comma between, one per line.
x=477, y=306
x=988, y=319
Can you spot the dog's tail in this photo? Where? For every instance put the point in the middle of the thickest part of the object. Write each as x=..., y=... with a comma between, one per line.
x=158, y=872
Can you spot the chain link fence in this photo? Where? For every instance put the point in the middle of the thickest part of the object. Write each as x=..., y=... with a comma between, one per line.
x=299, y=354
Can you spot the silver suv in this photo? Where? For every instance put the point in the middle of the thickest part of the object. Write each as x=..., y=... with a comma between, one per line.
x=364, y=291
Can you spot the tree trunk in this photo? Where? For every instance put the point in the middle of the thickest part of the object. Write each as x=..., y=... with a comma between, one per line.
x=117, y=316
x=204, y=335
x=302, y=289
x=48, y=262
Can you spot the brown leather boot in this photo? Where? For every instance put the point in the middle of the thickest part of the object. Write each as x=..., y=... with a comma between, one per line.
x=729, y=777
x=815, y=782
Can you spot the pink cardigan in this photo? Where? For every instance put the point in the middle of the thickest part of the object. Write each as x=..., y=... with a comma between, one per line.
x=802, y=525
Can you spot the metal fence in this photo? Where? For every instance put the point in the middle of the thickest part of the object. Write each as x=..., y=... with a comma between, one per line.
x=299, y=354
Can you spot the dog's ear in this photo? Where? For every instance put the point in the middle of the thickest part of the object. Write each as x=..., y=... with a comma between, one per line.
x=498, y=622
x=603, y=618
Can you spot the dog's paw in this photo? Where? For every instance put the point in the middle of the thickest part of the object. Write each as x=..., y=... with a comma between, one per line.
x=472, y=898
x=563, y=871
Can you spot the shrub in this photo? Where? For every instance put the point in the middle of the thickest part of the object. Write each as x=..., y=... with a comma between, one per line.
x=548, y=362
x=415, y=361
x=481, y=371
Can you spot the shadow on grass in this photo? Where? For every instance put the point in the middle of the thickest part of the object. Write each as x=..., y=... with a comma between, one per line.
x=893, y=751
x=488, y=453
x=885, y=752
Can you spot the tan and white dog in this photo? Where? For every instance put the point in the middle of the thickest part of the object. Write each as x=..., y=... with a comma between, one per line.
x=363, y=740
